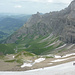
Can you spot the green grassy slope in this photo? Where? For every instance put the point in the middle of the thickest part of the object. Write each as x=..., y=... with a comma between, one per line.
x=40, y=45
x=7, y=48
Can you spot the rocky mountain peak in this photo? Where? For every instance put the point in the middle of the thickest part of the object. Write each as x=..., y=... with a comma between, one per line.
x=38, y=13
x=70, y=10
x=35, y=18
x=72, y=5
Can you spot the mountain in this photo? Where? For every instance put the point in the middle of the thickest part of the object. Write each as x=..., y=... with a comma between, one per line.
x=2, y=34
x=59, y=23
x=52, y=32
x=10, y=23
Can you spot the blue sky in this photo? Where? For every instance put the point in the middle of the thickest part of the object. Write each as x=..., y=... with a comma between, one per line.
x=32, y=6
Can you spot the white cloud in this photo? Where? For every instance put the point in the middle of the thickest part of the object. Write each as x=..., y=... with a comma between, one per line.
x=55, y=1
x=42, y=0
x=34, y=0
x=18, y=6
x=52, y=1
x=62, y=1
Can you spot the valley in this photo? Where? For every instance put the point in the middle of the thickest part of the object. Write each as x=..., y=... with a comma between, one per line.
x=37, y=41
x=10, y=23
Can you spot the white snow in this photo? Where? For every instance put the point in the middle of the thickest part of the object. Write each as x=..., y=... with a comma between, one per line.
x=26, y=65
x=62, y=69
x=50, y=63
x=70, y=46
x=58, y=60
x=61, y=46
x=67, y=55
x=56, y=56
x=52, y=44
x=31, y=64
x=42, y=59
x=39, y=60
x=30, y=61
x=46, y=38
x=13, y=56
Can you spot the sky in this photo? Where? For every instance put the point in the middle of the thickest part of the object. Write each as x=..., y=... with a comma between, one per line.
x=32, y=6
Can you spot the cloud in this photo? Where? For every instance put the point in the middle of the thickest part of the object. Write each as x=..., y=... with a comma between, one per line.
x=55, y=1
x=18, y=6
x=52, y=1
x=32, y=6
x=62, y=1
x=32, y=0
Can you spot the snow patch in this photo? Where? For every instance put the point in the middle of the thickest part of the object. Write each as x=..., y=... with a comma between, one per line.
x=59, y=60
x=52, y=44
x=31, y=64
x=50, y=63
x=39, y=60
x=62, y=69
x=46, y=38
x=13, y=56
x=61, y=46
x=67, y=55
x=26, y=65
x=56, y=56
x=70, y=46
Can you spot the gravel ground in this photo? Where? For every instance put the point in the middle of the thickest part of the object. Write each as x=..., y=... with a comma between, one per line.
x=63, y=69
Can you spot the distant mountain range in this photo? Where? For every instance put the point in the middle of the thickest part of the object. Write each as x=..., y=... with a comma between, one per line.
x=10, y=23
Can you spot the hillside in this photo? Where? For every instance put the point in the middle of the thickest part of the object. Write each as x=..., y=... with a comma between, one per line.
x=50, y=33
x=9, y=24
x=59, y=23
x=3, y=35
x=44, y=40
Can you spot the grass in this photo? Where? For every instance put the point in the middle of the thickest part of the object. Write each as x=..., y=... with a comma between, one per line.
x=48, y=57
x=38, y=48
x=61, y=50
x=10, y=60
x=35, y=47
x=7, y=48
x=2, y=57
x=60, y=44
x=14, y=60
x=19, y=61
x=24, y=53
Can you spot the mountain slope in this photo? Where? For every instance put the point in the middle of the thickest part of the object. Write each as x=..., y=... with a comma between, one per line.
x=9, y=24
x=61, y=25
